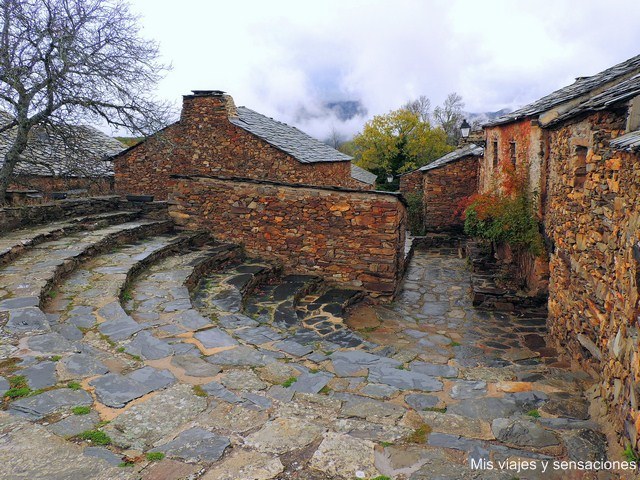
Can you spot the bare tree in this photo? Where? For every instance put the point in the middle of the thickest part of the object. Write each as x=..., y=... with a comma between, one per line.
x=335, y=138
x=449, y=117
x=64, y=61
x=421, y=106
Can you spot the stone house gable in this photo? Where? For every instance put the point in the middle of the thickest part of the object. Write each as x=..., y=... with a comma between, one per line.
x=214, y=137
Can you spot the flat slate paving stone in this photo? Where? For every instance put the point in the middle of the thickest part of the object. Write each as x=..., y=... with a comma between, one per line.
x=465, y=389
x=82, y=365
x=84, y=320
x=4, y=386
x=39, y=406
x=194, y=366
x=19, y=302
x=214, y=338
x=293, y=348
x=41, y=375
x=114, y=390
x=434, y=369
x=120, y=329
x=254, y=401
x=145, y=345
x=196, y=445
x=258, y=335
x=228, y=300
x=240, y=356
x=379, y=390
x=144, y=425
x=75, y=424
x=487, y=408
x=219, y=391
x=354, y=362
x=523, y=433
x=48, y=343
x=192, y=320
x=70, y=332
x=28, y=319
x=152, y=378
x=420, y=401
x=405, y=379
x=236, y=320
x=311, y=382
x=104, y=454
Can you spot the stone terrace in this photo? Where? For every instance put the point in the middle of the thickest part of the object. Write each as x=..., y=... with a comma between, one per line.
x=129, y=350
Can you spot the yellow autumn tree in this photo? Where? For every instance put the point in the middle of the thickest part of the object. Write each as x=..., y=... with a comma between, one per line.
x=398, y=142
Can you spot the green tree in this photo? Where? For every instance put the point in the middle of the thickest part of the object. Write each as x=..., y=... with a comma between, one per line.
x=396, y=143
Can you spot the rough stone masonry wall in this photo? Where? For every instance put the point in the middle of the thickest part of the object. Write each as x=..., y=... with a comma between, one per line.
x=349, y=237
x=444, y=190
x=46, y=185
x=595, y=265
x=411, y=183
x=204, y=142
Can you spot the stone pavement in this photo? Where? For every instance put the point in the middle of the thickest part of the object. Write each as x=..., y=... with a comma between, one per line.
x=166, y=358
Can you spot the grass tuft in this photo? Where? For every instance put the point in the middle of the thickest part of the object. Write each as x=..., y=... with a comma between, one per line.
x=81, y=410
x=97, y=437
x=420, y=434
x=289, y=381
x=74, y=385
x=155, y=456
x=534, y=413
x=199, y=391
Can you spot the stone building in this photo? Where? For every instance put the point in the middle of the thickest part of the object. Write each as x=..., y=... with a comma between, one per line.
x=592, y=219
x=64, y=158
x=579, y=147
x=214, y=137
x=443, y=184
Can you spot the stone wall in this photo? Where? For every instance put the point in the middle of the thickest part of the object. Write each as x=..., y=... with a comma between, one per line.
x=46, y=185
x=205, y=142
x=411, y=183
x=445, y=188
x=350, y=237
x=593, y=221
x=12, y=218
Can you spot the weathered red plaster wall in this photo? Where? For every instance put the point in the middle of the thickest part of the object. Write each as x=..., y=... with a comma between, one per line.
x=205, y=142
x=595, y=264
x=444, y=190
x=349, y=237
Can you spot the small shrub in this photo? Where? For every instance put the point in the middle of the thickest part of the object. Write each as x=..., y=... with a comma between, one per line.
x=17, y=392
x=420, y=434
x=18, y=381
x=97, y=437
x=55, y=358
x=81, y=410
x=415, y=213
x=630, y=454
x=534, y=413
x=289, y=381
x=155, y=456
x=199, y=391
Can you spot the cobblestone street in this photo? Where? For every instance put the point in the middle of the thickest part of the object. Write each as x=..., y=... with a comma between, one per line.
x=166, y=358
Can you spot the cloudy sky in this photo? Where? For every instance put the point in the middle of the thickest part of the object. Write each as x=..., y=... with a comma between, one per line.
x=287, y=59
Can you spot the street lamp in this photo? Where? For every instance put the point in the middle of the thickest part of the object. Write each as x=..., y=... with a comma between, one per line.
x=465, y=128
x=389, y=177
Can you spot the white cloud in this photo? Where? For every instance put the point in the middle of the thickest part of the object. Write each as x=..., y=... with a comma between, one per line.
x=282, y=57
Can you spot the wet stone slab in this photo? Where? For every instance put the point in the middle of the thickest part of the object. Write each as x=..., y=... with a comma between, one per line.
x=39, y=406
x=196, y=445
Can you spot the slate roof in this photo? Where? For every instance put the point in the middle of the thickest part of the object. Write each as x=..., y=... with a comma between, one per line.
x=580, y=87
x=47, y=154
x=629, y=141
x=363, y=175
x=618, y=93
x=468, y=150
x=296, y=143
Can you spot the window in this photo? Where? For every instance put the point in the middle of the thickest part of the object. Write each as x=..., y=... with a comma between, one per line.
x=579, y=168
x=495, y=153
x=512, y=153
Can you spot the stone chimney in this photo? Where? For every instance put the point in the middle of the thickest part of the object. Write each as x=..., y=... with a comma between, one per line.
x=207, y=105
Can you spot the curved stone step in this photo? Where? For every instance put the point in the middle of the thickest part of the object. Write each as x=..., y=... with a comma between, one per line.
x=16, y=242
x=28, y=280
x=226, y=291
